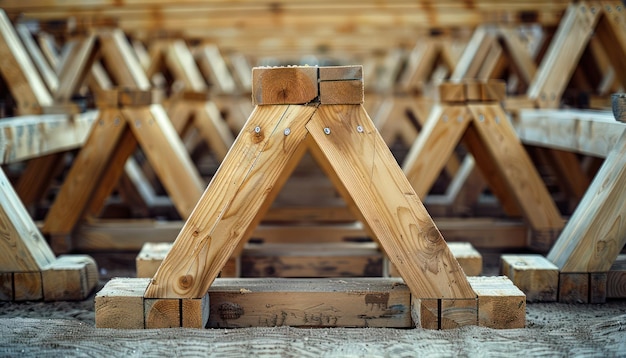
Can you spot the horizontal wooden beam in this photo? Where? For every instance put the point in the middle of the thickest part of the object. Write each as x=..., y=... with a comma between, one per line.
x=27, y=137
x=587, y=132
x=131, y=235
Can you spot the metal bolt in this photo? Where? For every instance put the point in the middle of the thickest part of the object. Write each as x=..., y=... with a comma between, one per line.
x=359, y=129
x=287, y=131
x=327, y=130
x=593, y=10
x=101, y=122
x=137, y=123
x=497, y=119
x=116, y=121
x=257, y=129
x=459, y=119
x=445, y=118
x=481, y=117
x=619, y=8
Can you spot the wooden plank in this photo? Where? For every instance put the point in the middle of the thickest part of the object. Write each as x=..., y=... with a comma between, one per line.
x=77, y=188
x=616, y=278
x=434, y=146
x=369, y=172
x=27, y=137
x=182, y=65
x=213, y=129
x=537, y=277
x=513, y=163
x=6, y=286
x=45, y=70
x=124, y=67
x=195, y=312
x=35, y=180
x=563, y=54
x=19, y=73
x=150, y=257
x=610, y=33
x=27, y=286
x=341, y=92
x=162, y=313
x=312, y=260
x=501, y=305
x=573, y=287
x=167, y=155
x=120, y=304
x=231, y=201
x=75, y=68
x=586, y=132
x=69, y=277
x=309, y=303
x=213, y=66
x=22, y=248
x=595, y=234
x=284, y=85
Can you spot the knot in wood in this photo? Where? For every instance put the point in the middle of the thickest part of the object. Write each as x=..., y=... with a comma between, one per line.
x=185, y=281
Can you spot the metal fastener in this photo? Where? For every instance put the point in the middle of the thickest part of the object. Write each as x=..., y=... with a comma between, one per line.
x=257, y=129
x=481, y=117
x=459, y=119
x=287, y=131
x=137, y=123
x=359, y=129
x=327, y=130
x=445, y=118
x=497, y=119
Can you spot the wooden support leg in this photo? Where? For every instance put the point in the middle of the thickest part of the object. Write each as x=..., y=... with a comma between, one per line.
x=434, y=146
x=513, y=165
x=85, y=174
x=36, y=178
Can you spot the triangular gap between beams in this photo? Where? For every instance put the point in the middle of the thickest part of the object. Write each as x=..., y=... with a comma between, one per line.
x=254, y=171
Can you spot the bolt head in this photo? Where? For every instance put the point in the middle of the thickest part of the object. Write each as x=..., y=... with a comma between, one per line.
x=327, y=130
x=257, y=129
x=359, y=129
x=287, y=131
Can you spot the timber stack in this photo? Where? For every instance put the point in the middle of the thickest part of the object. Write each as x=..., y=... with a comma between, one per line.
x=318, y=165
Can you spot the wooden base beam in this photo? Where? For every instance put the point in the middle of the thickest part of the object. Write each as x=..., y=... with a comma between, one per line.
x=346, y=302
x=339, y=259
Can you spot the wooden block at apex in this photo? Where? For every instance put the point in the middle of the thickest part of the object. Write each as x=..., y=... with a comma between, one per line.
x=6, y=286
x=150, y=257
x=573, y=287
x=493, y=90
x=452, y=92
x=501, y=304
x=473, y=90
x=341, y=92
x=535, y=275
x=135, y=97
x=120, y=304
x=341, y=73
x=616, y=279
x=69, y=277
x=107, y=98
x=195, y=312
x=284, y=85
x=200, y=96
x=363, y=302
x=27, y=286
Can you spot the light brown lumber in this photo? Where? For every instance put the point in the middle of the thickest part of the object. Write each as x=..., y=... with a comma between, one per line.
x=35, y=179
x=563, y=54
x=501, y=305
x=366, y=168
x=582, y=131
x=611, y=33
x=78, y=187
x=167, y=155
x=45, y=70
x=310, y=303
x=28, y=137
x=69, y=277
x=616, y=278
x=120, y=304
x=230, y=203
x=75, y=68
x=536, y=276
x=434, y=146
x=18, y=71
x=22, y=248
x=106, y=235
x=120, y=60
x=284, y=85
x=595, y=234
x=513, y=164
x=181, y=63
x=213, y=66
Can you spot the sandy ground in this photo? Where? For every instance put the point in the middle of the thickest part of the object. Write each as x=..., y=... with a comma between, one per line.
x=67, y=329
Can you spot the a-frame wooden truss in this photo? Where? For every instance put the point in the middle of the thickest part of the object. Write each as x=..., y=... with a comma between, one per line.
x=471, y=112
x=299, y=108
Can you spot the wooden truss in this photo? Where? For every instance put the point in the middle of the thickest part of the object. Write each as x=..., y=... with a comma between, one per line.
x=298, y=107
x=471, y=112
x=583, y=265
